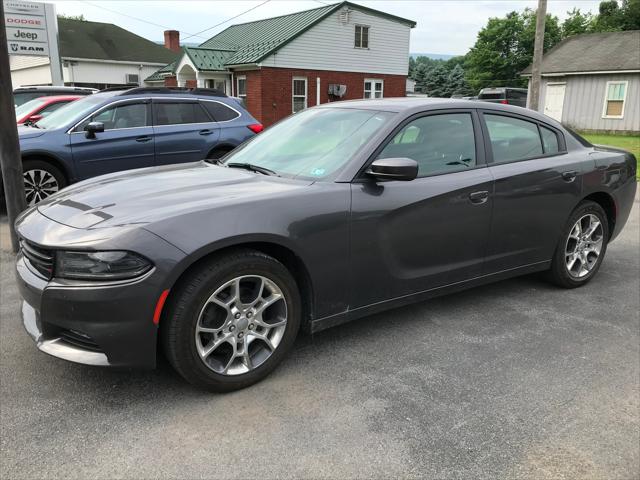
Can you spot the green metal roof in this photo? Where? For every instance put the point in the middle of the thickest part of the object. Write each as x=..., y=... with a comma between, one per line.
x=105, y=41
x=158, y=75
x=253, y=41
x=208, y=59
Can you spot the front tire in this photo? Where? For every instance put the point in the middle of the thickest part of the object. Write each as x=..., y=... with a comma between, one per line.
x=41, y=180
x=231, y=321
x=582, y=246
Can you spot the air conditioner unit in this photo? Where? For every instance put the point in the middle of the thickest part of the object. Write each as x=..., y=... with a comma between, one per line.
x=132, y=79
x=337, y=90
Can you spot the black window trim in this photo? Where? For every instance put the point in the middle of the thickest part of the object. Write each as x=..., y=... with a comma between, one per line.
x=179, y=100
x=477, y=133
x=562, y=146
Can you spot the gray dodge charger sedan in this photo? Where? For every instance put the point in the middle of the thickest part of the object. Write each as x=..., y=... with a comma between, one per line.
x=335, y=213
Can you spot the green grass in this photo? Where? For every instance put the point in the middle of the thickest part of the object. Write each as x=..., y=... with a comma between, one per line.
x=626, y=142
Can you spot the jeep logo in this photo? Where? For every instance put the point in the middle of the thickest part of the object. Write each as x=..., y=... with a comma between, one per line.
x=29, y=35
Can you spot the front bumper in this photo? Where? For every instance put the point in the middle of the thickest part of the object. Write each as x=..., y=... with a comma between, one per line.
x=103, y=325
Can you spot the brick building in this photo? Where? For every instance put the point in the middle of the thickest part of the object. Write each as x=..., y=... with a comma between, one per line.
x=284, y=64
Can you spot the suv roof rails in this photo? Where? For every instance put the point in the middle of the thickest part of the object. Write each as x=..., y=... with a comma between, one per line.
x=114, y=89
x=168, y=90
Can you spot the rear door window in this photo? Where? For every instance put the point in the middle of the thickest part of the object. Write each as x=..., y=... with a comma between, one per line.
x=512, y=139
x=178, y=113
x=220, y=112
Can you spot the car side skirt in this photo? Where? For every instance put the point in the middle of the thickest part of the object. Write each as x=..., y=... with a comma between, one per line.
x=334, y=320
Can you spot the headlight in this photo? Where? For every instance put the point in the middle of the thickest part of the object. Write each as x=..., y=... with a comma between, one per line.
x=113, y=265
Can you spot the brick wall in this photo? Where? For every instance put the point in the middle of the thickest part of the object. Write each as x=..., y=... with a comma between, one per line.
x=269, y=89
x=171, y=81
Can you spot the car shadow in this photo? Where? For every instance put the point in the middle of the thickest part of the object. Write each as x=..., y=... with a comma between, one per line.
x=165, y=384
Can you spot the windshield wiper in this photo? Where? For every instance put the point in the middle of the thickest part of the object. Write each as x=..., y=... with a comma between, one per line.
x=252, y=168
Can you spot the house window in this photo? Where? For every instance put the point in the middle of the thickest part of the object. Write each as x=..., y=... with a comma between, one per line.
x=615, y=95
x=362, y=36
x=299, y=97
x=373, y=88
x=242, y=87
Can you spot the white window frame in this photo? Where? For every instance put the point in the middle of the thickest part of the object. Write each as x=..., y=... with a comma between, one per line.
x=373, y=87
x=606, y=98
x=368, y=36
x=238, y=78
x=306, y=92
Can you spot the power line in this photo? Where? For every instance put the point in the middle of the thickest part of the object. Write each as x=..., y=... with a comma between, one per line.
x=227, y=20
x=138, y=19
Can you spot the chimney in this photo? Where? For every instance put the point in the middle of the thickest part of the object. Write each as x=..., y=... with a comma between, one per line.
x=172, y=40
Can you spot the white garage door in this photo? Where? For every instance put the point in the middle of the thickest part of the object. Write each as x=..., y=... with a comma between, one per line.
x=554, y=100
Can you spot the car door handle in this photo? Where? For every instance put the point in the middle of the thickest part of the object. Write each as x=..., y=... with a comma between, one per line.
x=205, y=132
x=143, y=138
x=479, y=197
x=569, y=176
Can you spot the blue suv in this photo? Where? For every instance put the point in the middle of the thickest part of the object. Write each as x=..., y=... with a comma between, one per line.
x=116, y=130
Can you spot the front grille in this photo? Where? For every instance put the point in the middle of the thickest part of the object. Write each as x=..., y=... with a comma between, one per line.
x=79, y=339
x=41, y=259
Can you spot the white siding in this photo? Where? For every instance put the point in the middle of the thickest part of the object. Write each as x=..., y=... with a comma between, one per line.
x=17, y=62
x=584, y=101
x=102, y=72
x=38, y=75
x=329, y=45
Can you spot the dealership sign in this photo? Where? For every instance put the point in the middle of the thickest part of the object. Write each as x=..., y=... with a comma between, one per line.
x=29, y=28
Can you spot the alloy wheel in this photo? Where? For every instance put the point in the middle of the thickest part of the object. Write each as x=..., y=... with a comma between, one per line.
x=584, y=245
x=241, y=325
x=38, y=185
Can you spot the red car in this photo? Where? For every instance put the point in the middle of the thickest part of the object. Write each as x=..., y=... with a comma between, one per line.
x=38, y=108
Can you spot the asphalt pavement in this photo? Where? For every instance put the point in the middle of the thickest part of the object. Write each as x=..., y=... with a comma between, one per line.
x=514, y=380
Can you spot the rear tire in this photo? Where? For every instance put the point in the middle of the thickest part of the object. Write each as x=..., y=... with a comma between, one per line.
x=243, y=308
x=41, y=180
x=582, y=246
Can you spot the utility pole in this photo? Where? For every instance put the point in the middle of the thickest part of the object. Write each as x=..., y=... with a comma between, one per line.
x=10, y=161
x=538, y=48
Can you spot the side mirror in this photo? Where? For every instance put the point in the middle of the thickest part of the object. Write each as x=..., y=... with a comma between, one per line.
x=403, y=169
x=33, y=119
x=93, y=128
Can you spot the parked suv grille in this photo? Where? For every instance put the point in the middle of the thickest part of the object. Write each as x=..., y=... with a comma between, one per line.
x=79, y=339
x=41, y=259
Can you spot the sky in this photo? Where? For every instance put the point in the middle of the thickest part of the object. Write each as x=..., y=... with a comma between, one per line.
x=443, y=26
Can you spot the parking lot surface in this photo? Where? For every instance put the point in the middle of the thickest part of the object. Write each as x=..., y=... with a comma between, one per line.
x=514, y=380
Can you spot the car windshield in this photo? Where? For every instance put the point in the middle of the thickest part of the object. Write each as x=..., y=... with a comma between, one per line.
x=311, y=144
x=29, y=107
x=70, y=112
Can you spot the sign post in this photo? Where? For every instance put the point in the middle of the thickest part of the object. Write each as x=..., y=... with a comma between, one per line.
x=10, y=161
x=32, y=30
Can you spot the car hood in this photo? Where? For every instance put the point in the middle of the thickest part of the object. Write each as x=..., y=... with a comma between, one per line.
x=140, y=197
x=29, y=132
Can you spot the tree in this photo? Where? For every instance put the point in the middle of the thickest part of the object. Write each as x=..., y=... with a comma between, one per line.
x=577, y=23
x=457, y=83
x=72, y=17
x=504, y=47
x=609, y=17
x=437, y=82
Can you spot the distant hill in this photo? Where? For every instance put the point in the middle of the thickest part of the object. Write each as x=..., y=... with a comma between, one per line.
x=435, y=56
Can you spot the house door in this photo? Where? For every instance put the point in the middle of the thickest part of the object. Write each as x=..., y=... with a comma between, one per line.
x=554, y=100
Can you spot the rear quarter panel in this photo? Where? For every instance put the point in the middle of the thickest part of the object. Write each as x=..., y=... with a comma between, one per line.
x=614, y=173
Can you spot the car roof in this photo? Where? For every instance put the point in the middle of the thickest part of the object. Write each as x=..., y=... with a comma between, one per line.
x=410, y=105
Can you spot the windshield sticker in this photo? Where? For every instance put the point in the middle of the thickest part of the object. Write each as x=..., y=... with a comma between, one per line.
x=318, y=172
